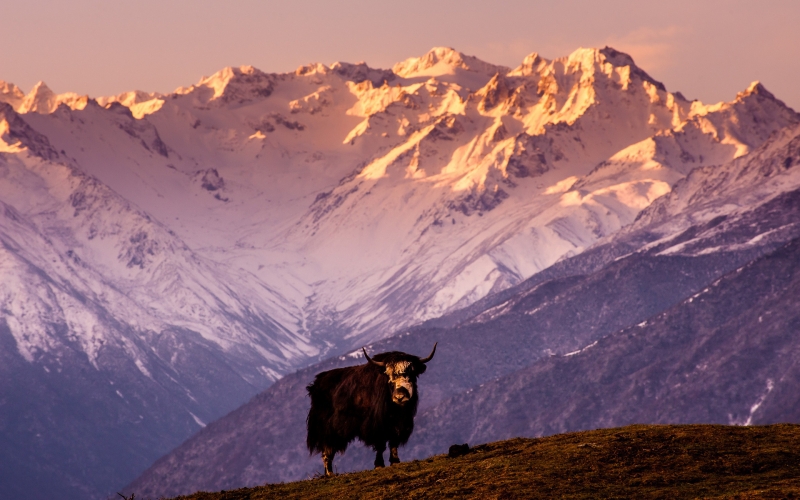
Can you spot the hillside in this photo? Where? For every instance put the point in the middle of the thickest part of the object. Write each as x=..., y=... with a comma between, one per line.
x=671, y=461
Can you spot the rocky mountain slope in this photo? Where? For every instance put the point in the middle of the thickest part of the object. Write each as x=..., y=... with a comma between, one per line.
x=167, y=256
x=582, y=345
x=118, y=340
x=725, y=355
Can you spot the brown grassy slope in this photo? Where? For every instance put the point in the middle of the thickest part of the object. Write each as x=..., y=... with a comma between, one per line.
x=669, y=461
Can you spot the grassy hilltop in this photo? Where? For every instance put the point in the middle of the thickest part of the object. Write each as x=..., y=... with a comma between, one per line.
x=665, y=461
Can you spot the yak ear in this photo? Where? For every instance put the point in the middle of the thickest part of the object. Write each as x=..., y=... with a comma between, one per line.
x=419, y=368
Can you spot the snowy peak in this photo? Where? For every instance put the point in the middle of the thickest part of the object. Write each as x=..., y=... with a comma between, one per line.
x=755, y=88
x=43, y=100
x=590, y=83
x=129, y=99
x=602, y=70
x=11, y=94
x=232, y=86
x=587, y=66
x=621, y=59
x=40, y=100
x=531, y=64
x=441, y=61
x=360, y=72
x=740, y=124
x=139, y=103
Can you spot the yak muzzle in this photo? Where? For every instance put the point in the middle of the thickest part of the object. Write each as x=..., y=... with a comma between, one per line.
x=401, y=396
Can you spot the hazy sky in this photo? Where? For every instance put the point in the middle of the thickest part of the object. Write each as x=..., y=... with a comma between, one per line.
x=707, y=49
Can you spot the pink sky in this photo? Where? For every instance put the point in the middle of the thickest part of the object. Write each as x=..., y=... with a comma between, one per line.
x=707, y=49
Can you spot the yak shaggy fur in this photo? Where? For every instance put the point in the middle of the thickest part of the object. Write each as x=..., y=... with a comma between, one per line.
x=356, y=402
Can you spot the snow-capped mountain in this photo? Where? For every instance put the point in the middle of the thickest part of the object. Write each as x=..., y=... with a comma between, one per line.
x=375, y=199
x=116, y=255
x=252, y=223
x=113, y=329
x=687, y=315
x=480, y=196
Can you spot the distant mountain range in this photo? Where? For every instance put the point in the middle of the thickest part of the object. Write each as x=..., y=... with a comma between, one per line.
x=167, y=257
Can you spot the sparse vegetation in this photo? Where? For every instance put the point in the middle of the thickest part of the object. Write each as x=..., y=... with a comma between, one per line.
x=669, y=461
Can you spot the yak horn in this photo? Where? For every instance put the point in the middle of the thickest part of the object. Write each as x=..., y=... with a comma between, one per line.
x=430, y=357
x=379, y=363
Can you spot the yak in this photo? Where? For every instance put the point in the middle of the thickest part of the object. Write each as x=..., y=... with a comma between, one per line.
x=375, y=402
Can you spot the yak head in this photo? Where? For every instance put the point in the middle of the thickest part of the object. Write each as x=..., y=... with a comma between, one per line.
x=402, y=370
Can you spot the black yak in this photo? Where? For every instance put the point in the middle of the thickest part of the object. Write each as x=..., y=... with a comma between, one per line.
x=375, y=402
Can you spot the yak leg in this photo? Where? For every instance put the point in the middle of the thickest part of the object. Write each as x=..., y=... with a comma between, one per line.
x=327, y=460
x=393, y=458
x=379, y=449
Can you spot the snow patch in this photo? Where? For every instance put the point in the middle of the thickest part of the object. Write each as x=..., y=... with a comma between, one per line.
x=197, y=420
x=573, y=353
